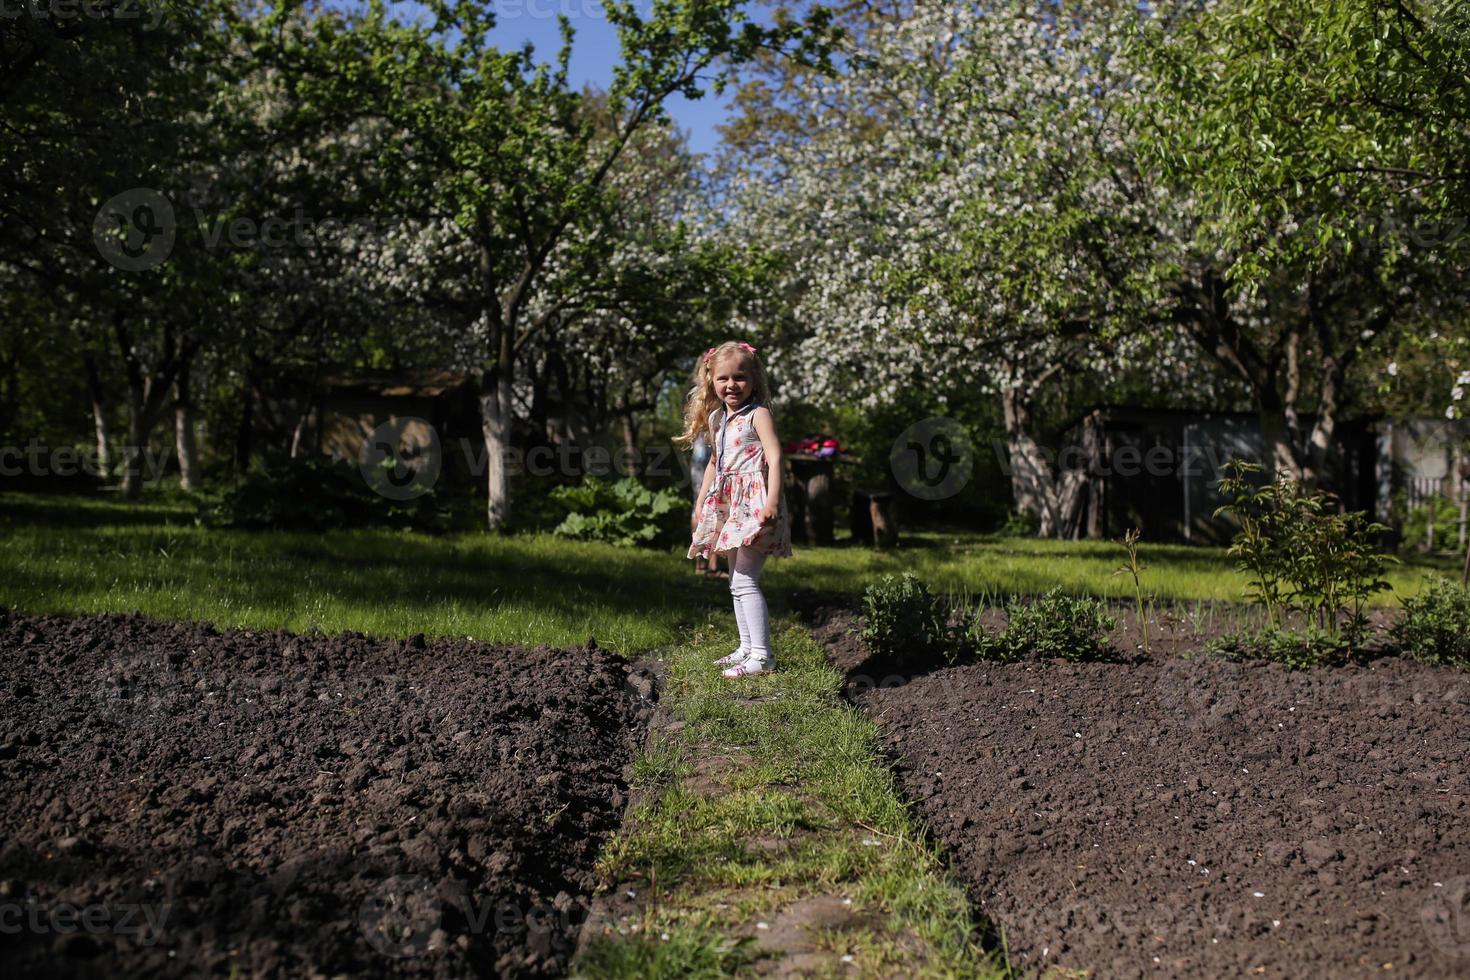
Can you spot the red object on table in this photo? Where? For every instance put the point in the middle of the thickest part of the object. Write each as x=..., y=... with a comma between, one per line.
x=815, y=446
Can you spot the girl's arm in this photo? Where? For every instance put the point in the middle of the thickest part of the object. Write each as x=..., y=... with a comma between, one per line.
x=765, y=428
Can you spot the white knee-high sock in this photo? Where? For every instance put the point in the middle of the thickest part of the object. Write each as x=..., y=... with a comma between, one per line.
x=740, y=622
x=745, y=588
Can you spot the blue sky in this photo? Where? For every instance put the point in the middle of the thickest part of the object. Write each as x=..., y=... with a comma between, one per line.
x=594, y=53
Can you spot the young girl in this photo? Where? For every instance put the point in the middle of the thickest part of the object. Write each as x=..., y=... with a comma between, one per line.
x=741, y=513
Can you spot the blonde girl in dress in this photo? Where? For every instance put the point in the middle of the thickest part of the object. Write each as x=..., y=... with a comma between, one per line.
x=741, y=512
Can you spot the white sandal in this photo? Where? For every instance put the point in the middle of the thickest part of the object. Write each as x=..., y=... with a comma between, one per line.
x=749, y=667
x=730, y=659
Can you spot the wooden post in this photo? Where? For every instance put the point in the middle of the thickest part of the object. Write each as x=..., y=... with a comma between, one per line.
x=885, y=526
x=819, y=504
x=874, y=518
x=795, y=490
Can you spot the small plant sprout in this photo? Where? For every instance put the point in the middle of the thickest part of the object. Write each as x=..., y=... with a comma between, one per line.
x=1135, y=568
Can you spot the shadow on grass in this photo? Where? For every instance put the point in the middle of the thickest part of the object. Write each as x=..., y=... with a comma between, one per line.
x=105, y=554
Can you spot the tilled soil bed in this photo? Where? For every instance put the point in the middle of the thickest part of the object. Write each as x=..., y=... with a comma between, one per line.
x=177, y=800
x=1192, y=816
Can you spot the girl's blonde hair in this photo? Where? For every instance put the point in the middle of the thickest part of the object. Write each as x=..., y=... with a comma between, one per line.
x=702, y=399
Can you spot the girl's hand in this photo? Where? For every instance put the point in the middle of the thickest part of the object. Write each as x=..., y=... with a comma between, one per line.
x=768, y=513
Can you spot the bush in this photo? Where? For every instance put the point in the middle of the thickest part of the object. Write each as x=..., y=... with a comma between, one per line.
x=1435, y=627
x=1302, y=553
x=1312, y=647
x=622, y=512
x=318, y=493
x=1053, y=625
x=902, y=617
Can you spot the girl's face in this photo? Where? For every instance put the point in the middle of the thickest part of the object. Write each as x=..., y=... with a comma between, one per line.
x=732, y=381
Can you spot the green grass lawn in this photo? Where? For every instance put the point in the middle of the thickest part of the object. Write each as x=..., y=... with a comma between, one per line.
x=85, y=555
x=990, y=566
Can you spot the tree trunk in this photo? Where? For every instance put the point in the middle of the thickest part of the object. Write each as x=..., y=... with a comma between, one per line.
x=133, y=453
x=629, y=435
x=99, y=416
x=185, y=447
x=1281, y=458
x=148, y=390
x=495, y=419
x=308, y=407
x=1053, y=494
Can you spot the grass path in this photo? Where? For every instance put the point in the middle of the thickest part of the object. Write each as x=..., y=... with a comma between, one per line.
x=768, y=836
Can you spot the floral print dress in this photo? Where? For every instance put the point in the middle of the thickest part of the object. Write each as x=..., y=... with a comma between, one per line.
x=731, y=516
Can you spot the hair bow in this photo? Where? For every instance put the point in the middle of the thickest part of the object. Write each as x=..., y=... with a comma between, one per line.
x=741, y=344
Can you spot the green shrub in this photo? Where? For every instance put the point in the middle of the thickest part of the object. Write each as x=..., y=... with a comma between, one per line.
x=1435, y=627
x=1294, y=650
x=1302, y=553
x=622, y=512
x=318, y=493
x=1053, y=625
x=903, y=618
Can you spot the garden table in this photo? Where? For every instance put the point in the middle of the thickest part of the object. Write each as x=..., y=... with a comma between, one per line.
x=808, y=481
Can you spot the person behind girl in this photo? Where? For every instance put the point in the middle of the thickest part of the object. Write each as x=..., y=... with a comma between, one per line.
x=698, y=464
x=741, y=512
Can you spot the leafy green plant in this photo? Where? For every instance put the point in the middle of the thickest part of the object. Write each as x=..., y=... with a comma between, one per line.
x=902, y=617
x=1294, y=650
x=1303, y=553
x=1435, y=627
x=622, y=512
x=1054, y=625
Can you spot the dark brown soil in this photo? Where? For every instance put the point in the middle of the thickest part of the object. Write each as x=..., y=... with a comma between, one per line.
x=1191, y=816
x=179, y=800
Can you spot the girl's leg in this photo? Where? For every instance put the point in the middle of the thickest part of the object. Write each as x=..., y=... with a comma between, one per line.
x=743, y=651
x=745, y=570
